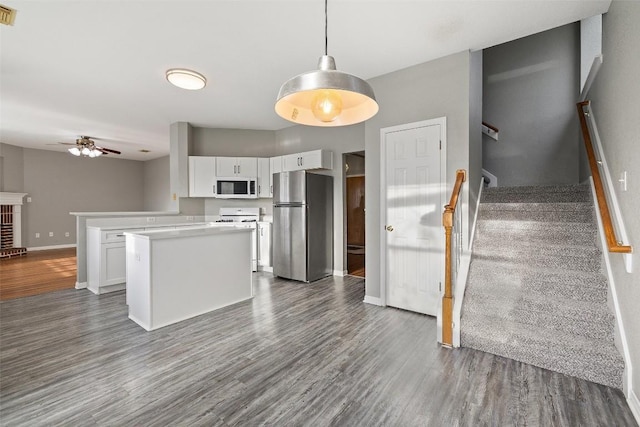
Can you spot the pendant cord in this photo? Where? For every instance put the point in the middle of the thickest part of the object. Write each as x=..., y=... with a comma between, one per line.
x=326, y=38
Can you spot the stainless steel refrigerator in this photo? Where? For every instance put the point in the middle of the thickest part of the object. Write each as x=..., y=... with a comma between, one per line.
x=302, y=225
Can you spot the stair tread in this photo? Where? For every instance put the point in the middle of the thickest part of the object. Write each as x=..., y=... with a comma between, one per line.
x=535, y=290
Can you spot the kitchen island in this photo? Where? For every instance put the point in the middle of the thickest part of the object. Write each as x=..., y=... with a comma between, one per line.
x=173, y=275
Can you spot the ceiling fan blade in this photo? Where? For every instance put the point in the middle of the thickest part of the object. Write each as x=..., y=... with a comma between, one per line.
x=102, y=150
x=60, y=143
x=105, y=150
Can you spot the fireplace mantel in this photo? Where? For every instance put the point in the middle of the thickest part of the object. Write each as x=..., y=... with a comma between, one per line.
x=11, y=198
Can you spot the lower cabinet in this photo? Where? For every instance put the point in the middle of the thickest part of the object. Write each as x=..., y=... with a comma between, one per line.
x=264, y=246
x=106, y=260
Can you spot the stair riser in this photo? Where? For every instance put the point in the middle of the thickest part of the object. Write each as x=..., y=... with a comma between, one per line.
x=495, y=197
x=544, y=216
x=526, y=237
x=492, y=224
x=559, y=262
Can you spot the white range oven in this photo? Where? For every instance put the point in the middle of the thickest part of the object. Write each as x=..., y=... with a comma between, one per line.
x=246, y=218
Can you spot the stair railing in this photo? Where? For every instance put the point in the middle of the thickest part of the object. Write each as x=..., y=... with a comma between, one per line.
x=449, y=222
x=614, y=245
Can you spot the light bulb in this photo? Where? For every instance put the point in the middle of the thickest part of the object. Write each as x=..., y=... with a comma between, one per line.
x=327, y=106
x=85, y=151
x=75, y=151
x=97, y=153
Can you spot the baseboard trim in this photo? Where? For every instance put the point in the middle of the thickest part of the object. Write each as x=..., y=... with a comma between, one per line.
x=266, y=269
x=340, y=273
x=627, y=380
x=634, y=404
x=81, y=285
x=46, y=248
x=372, y=300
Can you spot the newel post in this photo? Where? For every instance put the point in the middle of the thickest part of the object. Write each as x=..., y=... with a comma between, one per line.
x=447, y=299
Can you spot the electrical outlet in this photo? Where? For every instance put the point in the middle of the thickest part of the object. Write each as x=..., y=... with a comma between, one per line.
x=189, y=218
x=66, y=234
x=28, y=199
x=37, y=235
x=151, y=219
x=51, y=234
x=623, y=181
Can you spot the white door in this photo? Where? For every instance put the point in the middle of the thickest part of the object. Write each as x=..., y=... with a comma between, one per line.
x=414, y=233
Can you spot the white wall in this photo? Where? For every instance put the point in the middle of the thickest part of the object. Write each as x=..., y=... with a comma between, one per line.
x=430, y=90
x=614, y=97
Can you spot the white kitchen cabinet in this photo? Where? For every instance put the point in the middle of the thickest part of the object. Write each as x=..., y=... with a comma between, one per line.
x=264, y=177
x=275, y=166
x=237, y=166
x=264, y=246
x=202, y=176
x=106, y=260
x=317, y=159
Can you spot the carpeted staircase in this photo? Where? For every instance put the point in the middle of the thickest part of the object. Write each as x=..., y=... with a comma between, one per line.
x=536, y=291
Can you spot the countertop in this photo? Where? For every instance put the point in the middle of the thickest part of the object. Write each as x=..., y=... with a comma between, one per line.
x=99, y=214
x=205, y=230
x=149, y=225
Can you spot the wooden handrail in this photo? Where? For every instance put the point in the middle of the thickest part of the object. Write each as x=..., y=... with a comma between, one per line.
x=613, y=244
x=447, y=222
x=493, y=128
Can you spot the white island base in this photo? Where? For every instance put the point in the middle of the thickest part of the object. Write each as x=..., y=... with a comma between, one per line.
x=178, y=274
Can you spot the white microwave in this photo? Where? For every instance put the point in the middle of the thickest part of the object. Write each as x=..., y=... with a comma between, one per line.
x=236, y=188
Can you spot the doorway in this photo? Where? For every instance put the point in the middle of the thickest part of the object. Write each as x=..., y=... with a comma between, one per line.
x=355, y=214
x=413, y=177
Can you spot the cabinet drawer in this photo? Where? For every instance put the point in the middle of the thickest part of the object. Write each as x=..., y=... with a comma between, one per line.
x=117, y=235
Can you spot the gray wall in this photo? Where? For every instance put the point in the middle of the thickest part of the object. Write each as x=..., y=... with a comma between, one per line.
x=531, y=86
x=430, y=90
x=356, y=164
x=12, y=159
x=59, y=183
x=157, y=194
x=233, y=142
x=614, y=97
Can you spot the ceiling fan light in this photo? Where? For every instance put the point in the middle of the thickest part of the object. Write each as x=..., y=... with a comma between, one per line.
x=186, y=79
x=97, y=153
x=85, y=151
x=75, y=151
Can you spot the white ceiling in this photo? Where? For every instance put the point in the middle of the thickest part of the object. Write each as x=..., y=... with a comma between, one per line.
x=96, y=68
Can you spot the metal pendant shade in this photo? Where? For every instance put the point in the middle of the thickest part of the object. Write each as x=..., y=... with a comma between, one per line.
x=326, y=96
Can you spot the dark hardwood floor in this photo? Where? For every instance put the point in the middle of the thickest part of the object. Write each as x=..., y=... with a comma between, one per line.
x=37, y=272
x=297, y=354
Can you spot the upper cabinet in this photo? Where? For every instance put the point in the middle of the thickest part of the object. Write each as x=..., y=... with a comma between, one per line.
x=237, y=166
x=317, y=159
x=264, y=177
x=202, y=176
x=275, y=166
x=203, y=170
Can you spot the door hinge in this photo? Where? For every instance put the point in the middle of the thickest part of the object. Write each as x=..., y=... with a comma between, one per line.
x=439, y=286
x=441, y=144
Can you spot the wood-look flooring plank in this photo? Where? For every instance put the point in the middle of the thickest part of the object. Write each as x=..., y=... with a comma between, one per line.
x=296, y=354
x=37, y=272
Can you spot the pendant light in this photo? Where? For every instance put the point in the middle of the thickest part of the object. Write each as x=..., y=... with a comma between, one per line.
x=326, y=97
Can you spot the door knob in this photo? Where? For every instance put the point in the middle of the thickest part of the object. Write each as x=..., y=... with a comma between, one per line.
x=389, y=228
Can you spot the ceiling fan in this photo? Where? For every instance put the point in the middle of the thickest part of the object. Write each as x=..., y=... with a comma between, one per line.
x=85, y=146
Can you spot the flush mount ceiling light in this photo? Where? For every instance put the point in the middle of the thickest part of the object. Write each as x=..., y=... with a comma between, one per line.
x=186, y=79
x=326, y=97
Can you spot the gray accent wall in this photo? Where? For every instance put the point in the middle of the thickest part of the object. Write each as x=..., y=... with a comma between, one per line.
x=157, y=194
x=614, y=98
x=531, y=86
x=233, y=142
x=59, y=183
x=426, y=91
